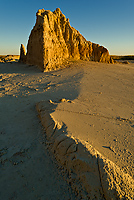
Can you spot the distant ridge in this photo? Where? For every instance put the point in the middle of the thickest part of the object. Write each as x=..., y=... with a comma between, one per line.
x=128, y=57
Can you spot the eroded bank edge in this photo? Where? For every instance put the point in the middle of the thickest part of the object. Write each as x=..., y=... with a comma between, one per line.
x=89, y=173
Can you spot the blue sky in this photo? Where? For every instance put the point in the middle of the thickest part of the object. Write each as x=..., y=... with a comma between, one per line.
x=106, y=22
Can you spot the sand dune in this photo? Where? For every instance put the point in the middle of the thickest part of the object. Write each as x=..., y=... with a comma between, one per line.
x=93, y=101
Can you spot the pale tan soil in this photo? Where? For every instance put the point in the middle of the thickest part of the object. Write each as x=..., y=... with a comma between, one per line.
x=90, y=174
x=102, y=113
x=27, y=171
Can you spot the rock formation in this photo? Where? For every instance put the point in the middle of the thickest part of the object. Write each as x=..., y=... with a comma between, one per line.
x=9, y=58
x=53, y=40
x=22, y=54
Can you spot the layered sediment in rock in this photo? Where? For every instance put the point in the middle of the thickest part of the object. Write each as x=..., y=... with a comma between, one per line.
x=53, y=40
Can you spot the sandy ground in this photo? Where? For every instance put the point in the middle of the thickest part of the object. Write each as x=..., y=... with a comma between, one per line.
x=27, y=171
x=100, y=111
x=103, y=112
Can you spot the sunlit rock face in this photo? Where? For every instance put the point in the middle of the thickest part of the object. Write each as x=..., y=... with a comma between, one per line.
x=53, y=40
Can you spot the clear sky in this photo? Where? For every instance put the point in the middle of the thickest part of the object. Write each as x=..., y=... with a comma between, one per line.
x=106, y=22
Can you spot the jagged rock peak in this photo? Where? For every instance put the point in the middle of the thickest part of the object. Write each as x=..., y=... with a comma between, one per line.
x=53, y=40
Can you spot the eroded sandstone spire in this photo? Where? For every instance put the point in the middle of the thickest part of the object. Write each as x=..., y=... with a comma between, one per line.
x=22, y=54
x=52, y=40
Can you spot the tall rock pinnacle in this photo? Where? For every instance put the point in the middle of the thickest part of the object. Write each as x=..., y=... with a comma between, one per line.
x=22, y=54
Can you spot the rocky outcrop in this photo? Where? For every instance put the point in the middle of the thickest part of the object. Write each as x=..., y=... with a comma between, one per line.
x=9, y=59
x=22, y=54
x=53, y=40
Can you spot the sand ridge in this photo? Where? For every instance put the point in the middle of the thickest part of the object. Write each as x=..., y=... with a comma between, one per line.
x=90, y=174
